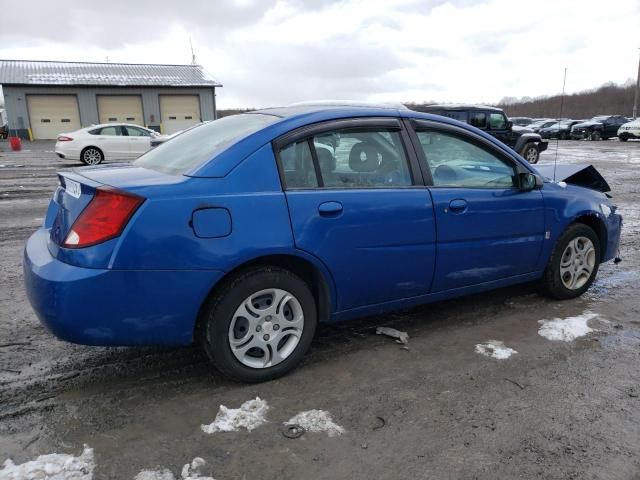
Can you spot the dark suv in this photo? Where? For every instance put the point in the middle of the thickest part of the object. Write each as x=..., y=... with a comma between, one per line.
x=494, y=122
x=602, y=127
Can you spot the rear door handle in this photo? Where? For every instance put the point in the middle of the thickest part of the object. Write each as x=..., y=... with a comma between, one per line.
x=458, y=205
x=328, y=209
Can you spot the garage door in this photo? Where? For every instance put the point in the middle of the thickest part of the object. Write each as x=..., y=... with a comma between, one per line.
x=120, y=108
x=179, y=112
x=51, y=115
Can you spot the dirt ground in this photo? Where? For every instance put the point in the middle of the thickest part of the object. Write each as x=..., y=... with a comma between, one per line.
x=554, y=410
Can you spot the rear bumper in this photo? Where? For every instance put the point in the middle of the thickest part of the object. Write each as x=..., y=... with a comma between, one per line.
x=113, y=307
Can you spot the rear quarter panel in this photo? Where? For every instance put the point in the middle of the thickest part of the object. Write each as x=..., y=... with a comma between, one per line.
x=161, y=237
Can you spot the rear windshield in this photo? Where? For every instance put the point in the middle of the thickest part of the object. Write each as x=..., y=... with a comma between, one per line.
x=200, y=144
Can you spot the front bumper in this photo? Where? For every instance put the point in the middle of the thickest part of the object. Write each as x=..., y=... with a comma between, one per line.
x=113, y=307
x=614, y=229
x=542, y=146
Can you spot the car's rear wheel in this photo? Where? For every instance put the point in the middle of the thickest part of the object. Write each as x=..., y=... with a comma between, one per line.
x=595, y=136
x=91, y=156
x=564, y=136
x=573, y=264
x=530, y=153
x=260, y=325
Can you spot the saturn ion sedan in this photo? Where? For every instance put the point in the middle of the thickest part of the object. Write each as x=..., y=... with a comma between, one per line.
x=244, y=233
x=109, y=141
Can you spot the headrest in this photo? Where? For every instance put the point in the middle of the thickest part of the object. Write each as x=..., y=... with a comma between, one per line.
x=364, y=157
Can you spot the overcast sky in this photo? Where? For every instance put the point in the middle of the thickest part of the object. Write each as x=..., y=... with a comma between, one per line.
x=273, y=52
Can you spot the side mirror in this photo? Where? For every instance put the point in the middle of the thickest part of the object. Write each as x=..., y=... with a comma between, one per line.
x=529, y=181
x=509, y=124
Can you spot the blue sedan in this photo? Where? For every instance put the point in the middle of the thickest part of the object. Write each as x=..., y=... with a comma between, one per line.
x=243, y=233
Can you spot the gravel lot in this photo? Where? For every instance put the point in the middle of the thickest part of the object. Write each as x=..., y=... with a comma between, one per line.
x=438, y=410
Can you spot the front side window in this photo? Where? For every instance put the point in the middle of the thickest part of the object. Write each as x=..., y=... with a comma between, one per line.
x=497, y=121
x=456, y=162
x=135, y=132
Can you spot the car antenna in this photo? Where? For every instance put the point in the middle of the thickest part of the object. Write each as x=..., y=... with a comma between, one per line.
x=555, y=162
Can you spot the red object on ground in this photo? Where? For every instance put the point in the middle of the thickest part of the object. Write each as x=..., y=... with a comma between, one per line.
x=15, y=143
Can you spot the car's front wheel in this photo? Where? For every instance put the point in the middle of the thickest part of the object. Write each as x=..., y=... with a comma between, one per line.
x=91, y=156
x=595, y=136
x=260, y=325
x=573, y=264
x=530, y=153
x=623, y=137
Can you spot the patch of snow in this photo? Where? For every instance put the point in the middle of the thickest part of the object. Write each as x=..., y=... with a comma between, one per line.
x=250, y=415
x=495, y=349
x=317, y=421
x=54, y=466
x=567, y=329
x=191, y=471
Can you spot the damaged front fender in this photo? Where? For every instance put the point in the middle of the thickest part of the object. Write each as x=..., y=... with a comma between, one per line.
x=581, y=175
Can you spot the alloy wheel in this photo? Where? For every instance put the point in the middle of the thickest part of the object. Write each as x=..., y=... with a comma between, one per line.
x=92, y=156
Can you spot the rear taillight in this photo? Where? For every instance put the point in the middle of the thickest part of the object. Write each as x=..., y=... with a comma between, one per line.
x=103, y=218
x=63, y=138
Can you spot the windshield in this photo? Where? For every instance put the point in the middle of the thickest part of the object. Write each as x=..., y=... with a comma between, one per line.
x=200, y=144
x=599, y=119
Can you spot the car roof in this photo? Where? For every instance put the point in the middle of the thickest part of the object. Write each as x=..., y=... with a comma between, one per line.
x=114, y=124
x=460, y=106
x=292, y=117
x=301, y=108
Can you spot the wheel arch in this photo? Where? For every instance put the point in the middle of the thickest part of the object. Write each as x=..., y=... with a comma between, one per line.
x=597, y=225
x=309, y=269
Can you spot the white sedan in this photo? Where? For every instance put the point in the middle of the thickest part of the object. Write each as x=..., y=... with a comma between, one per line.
x=109, y=141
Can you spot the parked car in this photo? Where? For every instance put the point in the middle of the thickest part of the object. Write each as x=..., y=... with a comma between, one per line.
x=561, y=129
x=521, y=121
x=494, y=122
x=629, y=130
x=602, y=127
x=242, y=234
x=540, y=124
x=159, y=139
x=109, y=141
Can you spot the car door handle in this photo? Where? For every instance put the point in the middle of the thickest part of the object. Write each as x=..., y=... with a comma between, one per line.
x=328, y=209
x=458, y=205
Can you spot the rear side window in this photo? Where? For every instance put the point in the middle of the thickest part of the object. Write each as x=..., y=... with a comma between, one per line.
x=200, y=144
x=456, y=162
x=297, y=165
x=110, y=131
x=479, y=119
x=347, y=159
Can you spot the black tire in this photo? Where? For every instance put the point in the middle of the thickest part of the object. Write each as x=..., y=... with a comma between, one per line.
x=551, y=284
x=595, y=136
x=220, y=310
x=91, y=156
x=564, y=136
x=623, y=137
x=530, y=153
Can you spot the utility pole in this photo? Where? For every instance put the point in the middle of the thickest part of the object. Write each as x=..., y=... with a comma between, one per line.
x=635, y=101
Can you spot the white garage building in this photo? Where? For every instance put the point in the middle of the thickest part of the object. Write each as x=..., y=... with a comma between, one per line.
x=43, y=99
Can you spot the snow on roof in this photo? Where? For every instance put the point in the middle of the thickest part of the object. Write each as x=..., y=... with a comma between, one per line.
x=25, y=72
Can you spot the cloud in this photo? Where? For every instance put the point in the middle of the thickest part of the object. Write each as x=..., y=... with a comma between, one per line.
x=269, y=52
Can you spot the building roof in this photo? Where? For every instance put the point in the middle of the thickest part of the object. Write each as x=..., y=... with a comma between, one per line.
x=27, y=72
